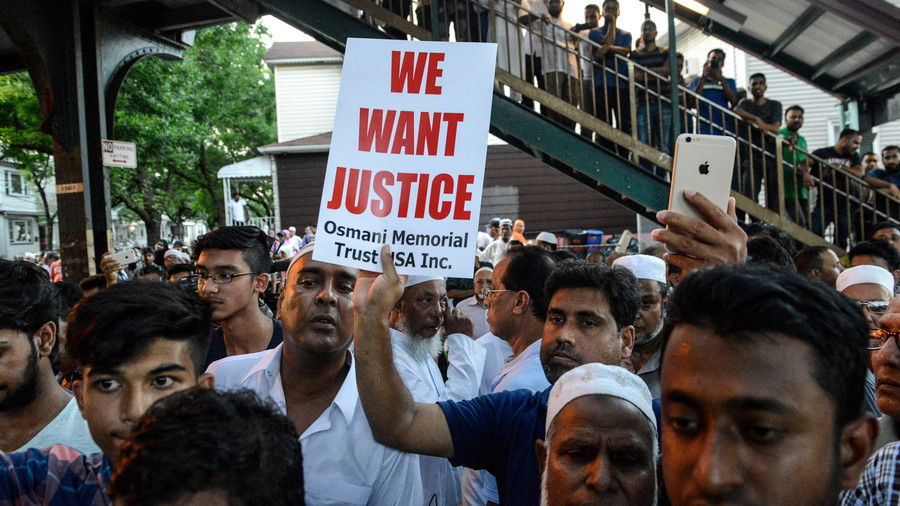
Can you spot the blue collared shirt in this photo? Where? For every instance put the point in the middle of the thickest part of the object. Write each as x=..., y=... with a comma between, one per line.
x=497, y=433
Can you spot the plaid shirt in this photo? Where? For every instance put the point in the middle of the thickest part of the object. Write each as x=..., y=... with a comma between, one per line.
x=54, y=476
x=880, y=482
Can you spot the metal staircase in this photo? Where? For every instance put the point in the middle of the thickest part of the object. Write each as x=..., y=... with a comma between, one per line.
x=598, y=166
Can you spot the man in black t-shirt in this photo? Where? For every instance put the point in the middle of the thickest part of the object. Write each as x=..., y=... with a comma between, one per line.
x=654, y=116
x=832, y=205
x=761, y=116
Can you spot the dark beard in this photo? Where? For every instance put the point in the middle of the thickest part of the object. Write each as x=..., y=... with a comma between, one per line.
x=27, y=392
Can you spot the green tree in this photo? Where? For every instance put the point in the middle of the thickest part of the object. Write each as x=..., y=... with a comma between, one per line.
x=22, y=140
x=190, y=118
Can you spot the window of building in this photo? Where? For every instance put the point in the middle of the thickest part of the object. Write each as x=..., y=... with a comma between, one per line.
x=21, y=231
x=15, y=185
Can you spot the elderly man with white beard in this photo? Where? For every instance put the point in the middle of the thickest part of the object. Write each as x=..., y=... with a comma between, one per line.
x=601, y=445
x=651, y=274
x=416, y=322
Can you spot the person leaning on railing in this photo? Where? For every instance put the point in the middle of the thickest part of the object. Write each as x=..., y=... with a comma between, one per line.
x=654, y=118
x=793, y=152
x=611, y=92
x=887, y=180
x=833, y=206
x=759, y=162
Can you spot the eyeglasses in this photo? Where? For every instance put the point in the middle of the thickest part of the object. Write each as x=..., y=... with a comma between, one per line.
x=219, y=279
x=875, y=306
x=487, y=292
x=878, y=338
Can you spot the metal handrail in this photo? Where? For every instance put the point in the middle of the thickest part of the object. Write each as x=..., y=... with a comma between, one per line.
x=503, y=15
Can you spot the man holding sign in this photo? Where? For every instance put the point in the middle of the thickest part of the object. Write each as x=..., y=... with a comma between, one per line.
x=407, y=157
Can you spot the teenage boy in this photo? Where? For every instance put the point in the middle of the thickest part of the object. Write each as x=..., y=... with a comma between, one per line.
x=134, y=344
x=233, y=266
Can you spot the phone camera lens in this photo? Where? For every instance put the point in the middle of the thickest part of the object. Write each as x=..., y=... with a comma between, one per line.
x=688, y=139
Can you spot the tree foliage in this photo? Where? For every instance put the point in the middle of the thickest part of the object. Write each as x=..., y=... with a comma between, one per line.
x=22, y=140
x=190, y=118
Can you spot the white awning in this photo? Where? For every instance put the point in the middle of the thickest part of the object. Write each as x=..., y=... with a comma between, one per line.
x=259, y=168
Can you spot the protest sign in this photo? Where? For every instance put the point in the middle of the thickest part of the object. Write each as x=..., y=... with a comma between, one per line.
x=406, y=165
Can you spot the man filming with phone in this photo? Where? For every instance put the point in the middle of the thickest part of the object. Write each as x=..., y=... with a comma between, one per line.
x=716, y=89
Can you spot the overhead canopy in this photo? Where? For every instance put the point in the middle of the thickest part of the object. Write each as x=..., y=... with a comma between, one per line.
x=167, y=19
x=259, y=168
x=848, y=48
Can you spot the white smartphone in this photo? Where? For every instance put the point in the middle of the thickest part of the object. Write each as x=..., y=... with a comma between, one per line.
x=124, y=257
x=704, y=163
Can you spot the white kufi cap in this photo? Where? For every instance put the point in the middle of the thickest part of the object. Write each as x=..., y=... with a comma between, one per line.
x=415, y=280
x=865, y=274
x=644, y=266
x=303, y=252
x=546, y=237
x=599, y=379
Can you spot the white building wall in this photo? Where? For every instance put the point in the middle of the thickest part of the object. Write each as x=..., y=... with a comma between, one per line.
x=888, y=134
x=17, y=208
x=306, y=99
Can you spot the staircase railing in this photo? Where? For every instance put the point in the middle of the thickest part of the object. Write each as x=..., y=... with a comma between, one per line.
x=624, y=106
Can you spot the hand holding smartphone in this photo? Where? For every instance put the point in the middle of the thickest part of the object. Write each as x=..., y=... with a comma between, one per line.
x=703, y=163
x=124, y=257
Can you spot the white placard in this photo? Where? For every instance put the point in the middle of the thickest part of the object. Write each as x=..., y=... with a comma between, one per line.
x=406, y=165
x=119, y=154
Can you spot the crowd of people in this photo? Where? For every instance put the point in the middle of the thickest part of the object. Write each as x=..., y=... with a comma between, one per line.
x=586, y=66
x=737, y=370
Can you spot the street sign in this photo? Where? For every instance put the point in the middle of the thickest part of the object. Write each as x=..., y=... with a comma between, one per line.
x=119, y=154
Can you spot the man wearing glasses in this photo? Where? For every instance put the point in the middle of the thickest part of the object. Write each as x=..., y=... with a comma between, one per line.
x=877, y=485
x=516, y=314
x=233, y=266
x=871, y=287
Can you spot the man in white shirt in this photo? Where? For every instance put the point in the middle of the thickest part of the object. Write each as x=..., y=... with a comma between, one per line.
x=474, y=306
x=496, y=250
x=651, y=274
x=416, y=322
x=295, y=240
x=516, y=314
x=312, y=378
x=35, y=411
x=238, y=208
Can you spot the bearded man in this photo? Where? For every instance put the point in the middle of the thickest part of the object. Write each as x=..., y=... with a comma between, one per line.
x=651, y=274
x=416, y=322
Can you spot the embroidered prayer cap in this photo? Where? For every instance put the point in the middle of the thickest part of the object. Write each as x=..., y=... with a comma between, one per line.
x=546, y=237
x=644, y=266
x=599, y=379
x=865, y=274
x=485, y=268
x=415, y=280
x=303, y=251
x=506, y=221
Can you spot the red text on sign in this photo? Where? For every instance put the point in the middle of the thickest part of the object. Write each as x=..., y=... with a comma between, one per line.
x=398, y=131
x=352, y=188
x=407, y=70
